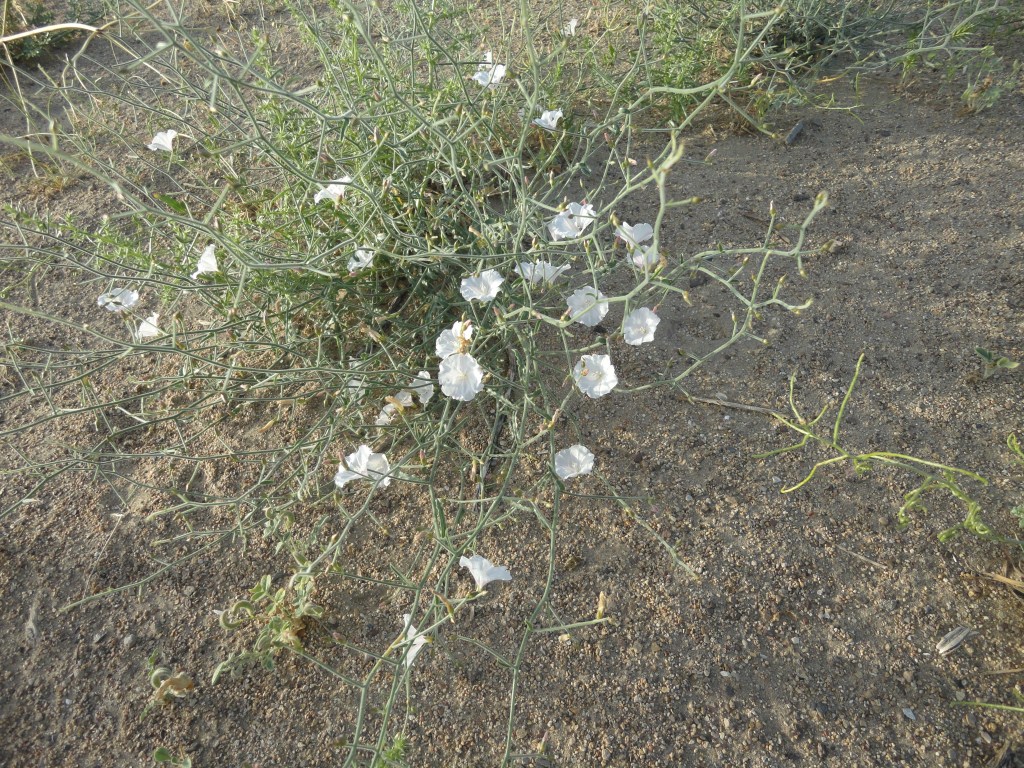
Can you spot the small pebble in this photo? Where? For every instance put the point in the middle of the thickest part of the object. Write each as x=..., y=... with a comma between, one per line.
x=909, y=713
x=128, y=641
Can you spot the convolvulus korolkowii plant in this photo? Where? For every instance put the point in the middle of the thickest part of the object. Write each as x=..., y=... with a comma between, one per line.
x=394, y=268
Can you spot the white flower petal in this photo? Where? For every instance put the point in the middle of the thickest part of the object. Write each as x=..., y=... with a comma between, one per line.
x=549, y=119
x=207, y=262
x=574, y=461
x=587, y=306
x=645, y=257
x=118, y=300
x=484, y=571
x=163, y=141
x=333, y=191
x=571, y=222
x=540, y=271
x=386, y=415
x=595, y=375
x=362, y=258
x=489, y=74
x=455, y=340
x=483, y=287
x=633, y=236
x=415, y=639
x=460, y=377
x=639, y=326
x=364, y=464
x=423, y=386
x=148, y=328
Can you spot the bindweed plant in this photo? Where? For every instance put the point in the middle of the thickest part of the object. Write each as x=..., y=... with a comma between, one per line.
x=391, y=266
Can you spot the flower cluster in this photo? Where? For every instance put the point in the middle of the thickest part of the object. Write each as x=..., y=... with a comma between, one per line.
x=460, y=376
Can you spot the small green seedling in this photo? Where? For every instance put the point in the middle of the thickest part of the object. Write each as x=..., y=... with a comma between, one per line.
x=994, y=362
x=163, y=755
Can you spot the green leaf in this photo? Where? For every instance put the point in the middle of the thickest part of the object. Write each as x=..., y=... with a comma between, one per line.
x=172, y=202
x=162, y=755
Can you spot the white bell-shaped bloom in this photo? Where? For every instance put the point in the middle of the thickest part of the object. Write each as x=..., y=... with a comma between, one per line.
x=118, y=300
x=484, y=571
x=595, y=375
x=587, y=305
x=639, y=326
x=364, y=464
x=574, y=461
x=163, y=141
x=460, y=377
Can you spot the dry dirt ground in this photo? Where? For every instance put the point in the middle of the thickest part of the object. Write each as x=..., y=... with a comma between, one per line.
x=809, y=637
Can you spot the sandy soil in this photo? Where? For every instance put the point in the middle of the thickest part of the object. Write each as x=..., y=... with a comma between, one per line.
x=808, y=638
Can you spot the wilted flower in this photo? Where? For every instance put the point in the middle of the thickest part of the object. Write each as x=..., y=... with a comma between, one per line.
x=394, y=405
x=364, y=464
x=416, y=640
x=489, y=74
x=363, y=258
x=571, y=222
x=423, y=387
x=460, y=377
x=639, y=326
x=587, y=305
x=633, y=236
x=549, y=120
x=645, y=256
x=455, y=340
x=483, y=287
x=333, y=191
x=148, y=328
x=595, y=375
x=207, y=262
x=539, y=272
x=163, y=141
x=569, y=30
x=118, y=300
x=574, y=461
x=484, y=571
